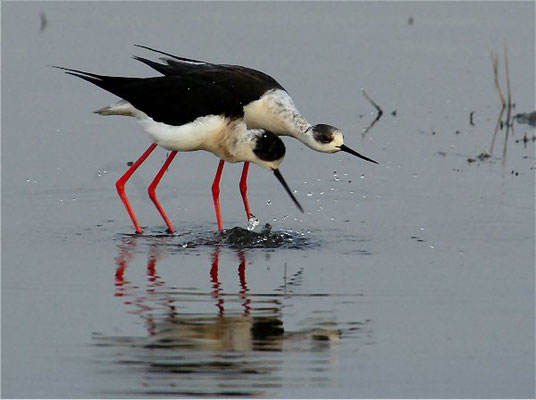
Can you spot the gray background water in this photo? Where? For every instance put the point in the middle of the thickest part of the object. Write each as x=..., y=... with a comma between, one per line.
x=414, y=278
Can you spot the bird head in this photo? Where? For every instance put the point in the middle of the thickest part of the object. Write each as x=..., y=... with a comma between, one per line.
x=328, y=139
x=268, y=151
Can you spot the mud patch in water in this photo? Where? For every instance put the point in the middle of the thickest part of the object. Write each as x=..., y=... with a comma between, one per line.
x=235, y=238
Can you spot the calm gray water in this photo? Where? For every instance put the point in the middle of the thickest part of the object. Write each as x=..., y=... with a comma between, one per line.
x=413, y=278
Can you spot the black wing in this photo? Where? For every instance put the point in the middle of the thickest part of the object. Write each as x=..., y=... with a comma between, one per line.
x=246, y=83
x=173, y=100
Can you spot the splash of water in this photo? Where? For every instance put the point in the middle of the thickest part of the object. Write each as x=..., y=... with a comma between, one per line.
x=252, y=222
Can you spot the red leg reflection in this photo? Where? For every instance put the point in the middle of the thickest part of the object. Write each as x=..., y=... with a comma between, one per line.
x=152, y=188
x=121, y=262
x=216, y=285
x=120, y=185
x=216, y=194
x=243, y=285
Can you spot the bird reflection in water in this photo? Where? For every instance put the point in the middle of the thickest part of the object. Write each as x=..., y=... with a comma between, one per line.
x=229, y=351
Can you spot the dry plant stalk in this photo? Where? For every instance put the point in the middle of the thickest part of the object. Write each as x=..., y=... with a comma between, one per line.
x=509, y=124
x=495, y=65
x=506, y=104
x=376, y=106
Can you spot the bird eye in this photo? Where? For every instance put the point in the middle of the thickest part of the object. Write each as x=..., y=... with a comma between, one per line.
x=325, y=138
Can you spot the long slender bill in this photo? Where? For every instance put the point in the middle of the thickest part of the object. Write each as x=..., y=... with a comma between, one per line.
x=355, y=153
x=280, y=179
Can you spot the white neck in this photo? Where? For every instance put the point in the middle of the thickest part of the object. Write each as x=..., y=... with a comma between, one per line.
x=275, y=111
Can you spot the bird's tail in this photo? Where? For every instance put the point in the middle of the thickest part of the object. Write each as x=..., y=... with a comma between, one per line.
x=88, y=76
x=109, y=83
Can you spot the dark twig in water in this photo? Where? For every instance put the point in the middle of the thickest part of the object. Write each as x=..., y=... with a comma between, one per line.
x=378, y=116
x=495, y=65
x=44, y=22
x=471, y=115
x=526, y=118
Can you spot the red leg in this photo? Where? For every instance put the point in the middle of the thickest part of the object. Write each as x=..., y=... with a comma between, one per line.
x=216, y=194
x=120, y=185
x=152, y=188
x=244, y=188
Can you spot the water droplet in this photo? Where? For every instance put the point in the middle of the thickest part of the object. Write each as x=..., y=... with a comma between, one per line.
x=362, y=176
x=332, y=219
x=321, y=192
x=252, y=222
x=285, y=217
x=309, y=194
x=432, y=246
x=269, y=202
x=295, y=191
x=27, y=179
x=335, y=176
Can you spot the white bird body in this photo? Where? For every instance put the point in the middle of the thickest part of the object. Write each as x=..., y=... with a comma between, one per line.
x=228, y=139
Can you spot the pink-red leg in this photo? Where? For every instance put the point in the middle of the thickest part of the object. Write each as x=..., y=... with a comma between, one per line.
x=244, y=188
x=152, y=188
x=216, y=194
x=120, y=185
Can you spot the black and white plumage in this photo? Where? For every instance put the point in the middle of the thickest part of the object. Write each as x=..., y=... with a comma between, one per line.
x=188, y=114
x=267, y=105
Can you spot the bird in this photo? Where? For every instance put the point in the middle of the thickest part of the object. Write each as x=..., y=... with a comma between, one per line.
x=187, y=114
x=266, y=104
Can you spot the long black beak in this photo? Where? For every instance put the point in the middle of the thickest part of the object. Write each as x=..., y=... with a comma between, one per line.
x=280, y=179
x=355, y=153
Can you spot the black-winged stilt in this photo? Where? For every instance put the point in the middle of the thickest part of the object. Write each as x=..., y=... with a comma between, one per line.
x=188, y=114
x=267, y=105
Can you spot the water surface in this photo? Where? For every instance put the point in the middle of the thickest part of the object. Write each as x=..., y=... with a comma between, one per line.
x=411, y=278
